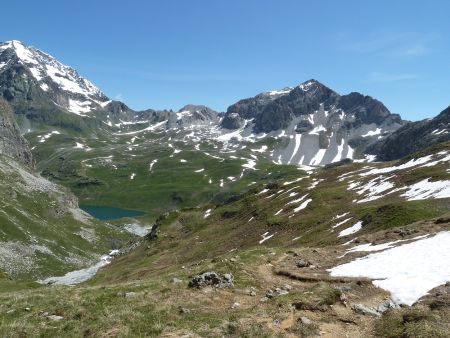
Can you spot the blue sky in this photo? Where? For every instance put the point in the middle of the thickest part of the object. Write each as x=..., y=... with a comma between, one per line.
x=168, y=53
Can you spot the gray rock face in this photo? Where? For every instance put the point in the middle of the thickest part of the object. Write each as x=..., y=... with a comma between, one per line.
x=413, y=137
x=11, y=141
x=192, y=116
x=232, y=121
x=212, y=279
x=33, y=81
x=316, y=125
x=365, y=311
x=275, y=110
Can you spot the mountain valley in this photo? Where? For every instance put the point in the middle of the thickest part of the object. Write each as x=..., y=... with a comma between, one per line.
x=298, y=212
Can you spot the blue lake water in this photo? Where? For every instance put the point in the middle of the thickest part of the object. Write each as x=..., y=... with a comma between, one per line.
x=109, y=213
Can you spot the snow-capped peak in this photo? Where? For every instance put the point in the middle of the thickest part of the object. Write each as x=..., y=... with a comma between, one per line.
x=80, y=96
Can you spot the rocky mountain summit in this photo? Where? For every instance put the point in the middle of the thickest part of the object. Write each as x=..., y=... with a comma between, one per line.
x=42, y=90
x=318, y=125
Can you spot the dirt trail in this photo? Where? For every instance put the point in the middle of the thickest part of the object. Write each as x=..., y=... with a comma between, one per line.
x=337, y=321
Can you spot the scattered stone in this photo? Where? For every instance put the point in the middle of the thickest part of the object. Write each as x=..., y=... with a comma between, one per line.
x=176, y=280
x=303, y=263
x=233, y=260
x=212, y=279
x=27, y=309
x=183, y=311
x=252, y=293
x=304, y=321
x=365, y=311
x=287, y=287
x=276, y=322
x=130, y=295
x=235, y=305
x=10, y=311
x=389, y=304
x=55, y=318
x=278, y=291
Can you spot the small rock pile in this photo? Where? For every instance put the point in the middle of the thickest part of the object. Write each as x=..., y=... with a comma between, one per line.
x=278, y=291
x=212, y=279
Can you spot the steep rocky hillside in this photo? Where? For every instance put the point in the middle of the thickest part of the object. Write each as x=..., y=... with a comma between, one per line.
x=413, y=137
x=12, y=143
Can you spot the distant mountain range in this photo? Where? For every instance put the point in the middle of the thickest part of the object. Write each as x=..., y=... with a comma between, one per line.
x=313, y=125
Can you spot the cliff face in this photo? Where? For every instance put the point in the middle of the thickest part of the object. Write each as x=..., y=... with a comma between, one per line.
x=12, y=143
x=413, y=137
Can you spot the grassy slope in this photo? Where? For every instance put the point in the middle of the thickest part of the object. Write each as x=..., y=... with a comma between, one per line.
x=172, y=184
x=41, y=224
x=189, y=243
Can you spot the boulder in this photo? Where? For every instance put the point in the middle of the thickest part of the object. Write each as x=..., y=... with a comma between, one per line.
x=212, y=279
x=301, y=263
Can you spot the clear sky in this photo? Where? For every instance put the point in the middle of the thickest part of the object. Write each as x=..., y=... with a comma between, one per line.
x=167, y=53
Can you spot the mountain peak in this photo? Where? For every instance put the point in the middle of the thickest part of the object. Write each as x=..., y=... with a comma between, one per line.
x=62, y=83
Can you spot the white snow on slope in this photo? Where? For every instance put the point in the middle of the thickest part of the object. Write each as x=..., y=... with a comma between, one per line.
x=338, y=156
x=152, y=163
x=317, y=130
x=251, y=164
x=265, y=236
x=373, y=189
x=407, y=165
x=298, y=140
x=149, y=128
x=43, y=138
x=369, y=247
x=303, y=205
x=318, y=157
x=372, y=132
x=294, y=181
x=342, y=222
x=408, y=271
x=354, y=228
x=426, y=189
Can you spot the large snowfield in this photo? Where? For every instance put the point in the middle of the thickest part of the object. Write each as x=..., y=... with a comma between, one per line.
x=408, y=271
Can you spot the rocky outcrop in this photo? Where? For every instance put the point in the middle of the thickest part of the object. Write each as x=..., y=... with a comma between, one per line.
x=413, y=137
x=12, y=143
x=212, y=279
